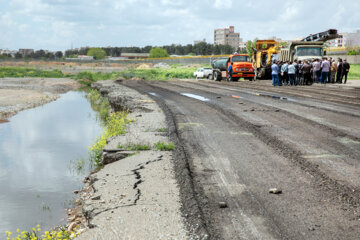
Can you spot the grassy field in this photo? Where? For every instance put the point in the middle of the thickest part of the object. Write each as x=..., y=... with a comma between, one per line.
x=354, y=72
x=19, y=72
x=87, y=78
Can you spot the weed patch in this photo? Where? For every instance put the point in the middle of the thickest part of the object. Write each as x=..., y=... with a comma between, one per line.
x=115, y=125
x=162, y=146
x=135, y=147
x=35, y=234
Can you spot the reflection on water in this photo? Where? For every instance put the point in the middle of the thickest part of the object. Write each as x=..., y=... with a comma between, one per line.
x=37, y=147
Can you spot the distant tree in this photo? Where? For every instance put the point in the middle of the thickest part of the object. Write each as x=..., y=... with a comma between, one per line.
x=158, y=52
x=58, y=54
x=250, y=45
x=97, y=53
x=146, y=49
x=18, y=55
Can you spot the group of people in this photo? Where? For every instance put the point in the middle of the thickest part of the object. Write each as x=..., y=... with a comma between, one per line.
x=307, y=72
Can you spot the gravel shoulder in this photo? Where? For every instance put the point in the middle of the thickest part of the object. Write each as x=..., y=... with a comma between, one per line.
x=17, y=94
x=135, y=196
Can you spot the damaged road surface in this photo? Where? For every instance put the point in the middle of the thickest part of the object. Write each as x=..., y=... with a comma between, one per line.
x=241, y=141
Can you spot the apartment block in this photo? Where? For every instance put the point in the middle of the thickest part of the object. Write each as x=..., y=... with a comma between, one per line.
x=227, y=36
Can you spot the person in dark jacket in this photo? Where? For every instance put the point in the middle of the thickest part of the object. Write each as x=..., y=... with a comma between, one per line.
x=346, y=69
x=306, y=73
x=339, y=71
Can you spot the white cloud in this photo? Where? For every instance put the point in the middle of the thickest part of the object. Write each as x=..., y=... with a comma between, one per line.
x=222, y=4
x=54, y=24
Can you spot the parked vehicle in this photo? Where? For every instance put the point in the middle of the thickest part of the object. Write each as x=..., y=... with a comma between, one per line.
x=242, y=67
x=264, y=52
x=203, y=73
x=309, y=47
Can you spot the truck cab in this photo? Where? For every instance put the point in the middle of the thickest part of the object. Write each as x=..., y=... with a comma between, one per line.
x=308, y=52
x=242, y=67
x=302, y=51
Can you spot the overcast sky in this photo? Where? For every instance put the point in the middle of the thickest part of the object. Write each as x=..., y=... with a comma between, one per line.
x=56, y=24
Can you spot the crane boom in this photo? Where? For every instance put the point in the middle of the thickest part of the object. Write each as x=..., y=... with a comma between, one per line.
x=322, y=36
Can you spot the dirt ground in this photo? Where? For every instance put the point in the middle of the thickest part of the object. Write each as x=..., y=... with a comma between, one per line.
x=242, y=139
x=18, y=94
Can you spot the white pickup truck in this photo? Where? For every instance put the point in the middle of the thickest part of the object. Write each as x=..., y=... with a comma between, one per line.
x=203, y=73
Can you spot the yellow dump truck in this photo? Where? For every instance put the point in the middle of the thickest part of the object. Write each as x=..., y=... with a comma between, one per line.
x=264, y=53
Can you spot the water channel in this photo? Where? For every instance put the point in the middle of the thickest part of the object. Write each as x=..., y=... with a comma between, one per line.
x=39, y=149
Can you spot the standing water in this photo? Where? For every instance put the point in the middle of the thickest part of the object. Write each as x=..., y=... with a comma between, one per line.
x=38, y=148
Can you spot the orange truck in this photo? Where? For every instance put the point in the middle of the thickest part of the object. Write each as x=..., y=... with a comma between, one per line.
x=241, y=64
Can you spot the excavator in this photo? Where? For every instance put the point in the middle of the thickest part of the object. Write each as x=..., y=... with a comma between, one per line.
x=310, y=47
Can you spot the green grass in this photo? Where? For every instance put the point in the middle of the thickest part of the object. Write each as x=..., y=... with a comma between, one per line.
x=162, y=146
x=19, y=72
x=99, y=104
x=135, y=147
x=354, y=72
x=162, y=130
x=86, y=78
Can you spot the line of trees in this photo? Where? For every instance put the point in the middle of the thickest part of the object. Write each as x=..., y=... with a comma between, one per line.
x=189, y=49
x=40, y=54
x=201, y=48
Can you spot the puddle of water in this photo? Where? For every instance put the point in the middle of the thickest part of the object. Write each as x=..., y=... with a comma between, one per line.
x=322, y=156
x=36, y=150
x=190, y=95
x=154, y=94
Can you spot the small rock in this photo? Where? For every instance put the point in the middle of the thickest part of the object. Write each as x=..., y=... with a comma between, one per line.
x=96, y=198
x=223, y=205
x=76, y=191
x=275, y=191
x=311, y=228
x=71, y=219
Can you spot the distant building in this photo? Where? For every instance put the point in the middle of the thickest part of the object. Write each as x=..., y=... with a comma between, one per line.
x=199, y=41
x=346, y=40
x=242, y=44
x=26, y=52
x=81, y=58
x=227, y=36
x=7, y=52
x=134, y=55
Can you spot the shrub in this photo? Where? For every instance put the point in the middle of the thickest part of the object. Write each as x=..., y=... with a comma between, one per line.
x=157, y=52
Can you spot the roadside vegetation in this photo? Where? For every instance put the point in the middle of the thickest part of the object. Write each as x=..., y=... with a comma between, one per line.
x=135, y=147
x=19, y=72
x=99, y=104
x=162, y=146
x=115, y=125
x=35, y=234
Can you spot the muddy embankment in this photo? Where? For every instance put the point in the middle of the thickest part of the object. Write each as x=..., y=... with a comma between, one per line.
x=18, y=94
x=137, y=194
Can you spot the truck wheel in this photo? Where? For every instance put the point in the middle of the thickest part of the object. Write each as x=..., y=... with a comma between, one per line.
x=216, y=76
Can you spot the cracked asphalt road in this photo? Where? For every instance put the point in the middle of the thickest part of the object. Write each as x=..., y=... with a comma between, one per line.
x=241, y=139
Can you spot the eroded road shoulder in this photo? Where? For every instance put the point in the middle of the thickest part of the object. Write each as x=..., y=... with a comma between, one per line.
x=136, y=197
